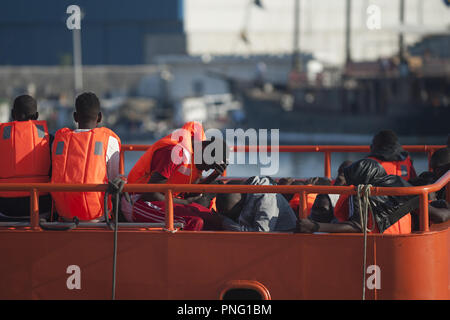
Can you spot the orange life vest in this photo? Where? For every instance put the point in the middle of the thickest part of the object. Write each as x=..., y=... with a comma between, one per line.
x=295, y=202
x=402, y=168
x=183, y=151
x=80, y=157
x=402, y=226
x=25, y=154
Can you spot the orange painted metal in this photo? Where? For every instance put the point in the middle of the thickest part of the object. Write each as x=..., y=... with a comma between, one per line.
x=197, y=265
x=327, y=150
x=169, y=210
x=34, y=207
x=154, y=264
x=199, y=188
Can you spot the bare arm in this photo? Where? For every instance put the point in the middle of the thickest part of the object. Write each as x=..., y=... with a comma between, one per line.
x=219, y=169
x=439, y=215
x=308, y=226
x=158, y=196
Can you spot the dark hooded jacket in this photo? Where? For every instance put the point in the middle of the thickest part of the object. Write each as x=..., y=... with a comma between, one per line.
x=369, y=171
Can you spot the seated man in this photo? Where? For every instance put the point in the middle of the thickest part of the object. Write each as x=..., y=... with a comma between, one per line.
x=438, y=210
x=89, y=154
x=294, y=199
x=440, y=164
x=173, y=160
x=340, y=179
x=256, y=212
x=25, y=149
x=322, y=209
x=366, y=171
x=386, y=149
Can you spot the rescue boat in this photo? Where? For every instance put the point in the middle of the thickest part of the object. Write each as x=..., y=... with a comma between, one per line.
x=162, y=261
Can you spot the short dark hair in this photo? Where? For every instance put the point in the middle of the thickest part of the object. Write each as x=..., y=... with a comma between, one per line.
x=25, y=107
x=87, y=106
x=385, y=137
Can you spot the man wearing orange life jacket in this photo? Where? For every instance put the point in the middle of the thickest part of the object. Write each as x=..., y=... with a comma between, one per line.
x=174, y=160
x=25, y=149
x=386, y=149
x=90, y=155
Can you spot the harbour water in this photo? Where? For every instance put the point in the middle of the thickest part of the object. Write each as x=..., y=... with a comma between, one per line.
x=301, y=165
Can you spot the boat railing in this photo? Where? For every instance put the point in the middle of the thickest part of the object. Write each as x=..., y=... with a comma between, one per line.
x=326, y=150
x=169, y=189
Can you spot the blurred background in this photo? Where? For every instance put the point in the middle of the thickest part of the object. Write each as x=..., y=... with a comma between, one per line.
x=320, y=71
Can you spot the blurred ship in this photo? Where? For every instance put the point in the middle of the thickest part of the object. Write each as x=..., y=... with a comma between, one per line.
x=411, y=98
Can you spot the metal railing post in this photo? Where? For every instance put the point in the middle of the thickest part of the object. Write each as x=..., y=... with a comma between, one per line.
x=34, y=209
x=327, y=164
x=169, y=211
x=447, y=189
x=424, y=224
x=303, y=205
x=122, y=162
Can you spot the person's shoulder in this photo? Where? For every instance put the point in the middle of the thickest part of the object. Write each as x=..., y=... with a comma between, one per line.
x=63, y=130
x=109, y=132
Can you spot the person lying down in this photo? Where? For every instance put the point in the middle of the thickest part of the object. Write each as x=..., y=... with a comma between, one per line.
x=264, y=212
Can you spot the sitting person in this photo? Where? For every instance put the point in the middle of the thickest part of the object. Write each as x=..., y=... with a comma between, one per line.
x=366, y=171
x=340, y=179
x=440, y=164
x=438, y=210
x=172, y=160
x=264, y=212
x=322, y=209
x=25, y=148
x=387, y=151
x=294, y=199
x=89, y=154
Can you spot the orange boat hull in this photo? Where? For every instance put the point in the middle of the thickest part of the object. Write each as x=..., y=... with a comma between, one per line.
x=203, y=265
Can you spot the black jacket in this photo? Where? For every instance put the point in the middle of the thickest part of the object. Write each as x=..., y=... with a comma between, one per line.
x=369, y=171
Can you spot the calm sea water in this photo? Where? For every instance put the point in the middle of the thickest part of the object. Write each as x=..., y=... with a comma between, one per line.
x=295, y=165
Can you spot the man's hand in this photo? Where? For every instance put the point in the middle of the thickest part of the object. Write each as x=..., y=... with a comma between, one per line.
x=220, y=167
x=307, y=226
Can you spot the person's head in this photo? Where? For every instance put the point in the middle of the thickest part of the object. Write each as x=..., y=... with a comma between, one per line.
x=87, y=113
x=24, y=108
x=319, y=181
x=384, y=139
x=322, y=209
x=425, y=178
x=230, y=204
x=440, y=162
x=340, y=179
x=214, y=151
x=292, y=182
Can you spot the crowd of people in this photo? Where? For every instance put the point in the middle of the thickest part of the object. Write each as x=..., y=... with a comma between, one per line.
x=91, y=154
